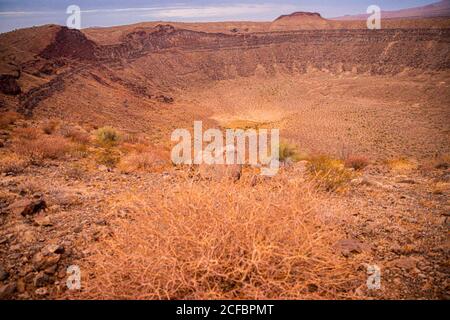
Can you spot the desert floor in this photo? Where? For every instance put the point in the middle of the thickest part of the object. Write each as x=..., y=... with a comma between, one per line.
x=139, y=227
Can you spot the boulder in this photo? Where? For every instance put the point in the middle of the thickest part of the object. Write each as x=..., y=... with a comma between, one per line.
x=7, y=291
x=27, y=207
x=3, y=274
x=406, y=263
x=9, y=85
x=41, y=280
x=349, y=247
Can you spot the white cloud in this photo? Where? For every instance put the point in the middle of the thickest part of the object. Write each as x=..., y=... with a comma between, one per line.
x=178, y=12
x=122, y=10
x=216, y=11
x=21, y=13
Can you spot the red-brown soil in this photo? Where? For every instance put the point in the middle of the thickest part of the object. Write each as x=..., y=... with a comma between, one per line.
x=332, y=87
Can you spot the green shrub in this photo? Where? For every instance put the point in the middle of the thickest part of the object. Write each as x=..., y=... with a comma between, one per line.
x=107, y=136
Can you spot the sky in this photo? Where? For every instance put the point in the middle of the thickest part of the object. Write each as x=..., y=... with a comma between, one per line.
x=15, y=14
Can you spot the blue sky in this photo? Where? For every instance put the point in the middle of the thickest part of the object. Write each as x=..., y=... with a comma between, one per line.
x=16, y=14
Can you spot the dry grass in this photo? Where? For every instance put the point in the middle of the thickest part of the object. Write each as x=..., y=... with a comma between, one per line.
x=7, y=119
x=289, y=151
x=220, y=241
x=134, y=139
x=108, y=157
x=12, y=164
x=79, y=150
x=75, y=134
x=127, y=147
x=107, y=136
x=330, y=173
x=50, y=126
x=145, y=161
x=441, y=188
x=356, y=162
x=402, y=164
x=246, y=125
x=45, y=147
x=30, y=133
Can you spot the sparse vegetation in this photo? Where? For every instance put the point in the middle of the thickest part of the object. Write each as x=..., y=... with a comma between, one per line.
x=289, y=151
x=107, y=136
x=46, y=147
x=76, y=134
x=109, y=200
x=12, y=164
x=49, y=127
x=145, y=161
x=402, y=164
x=356, y=162
x=108, y=157
x=207, y=241
x=329, y=173
x=7, y=119
x=29, y=133
x=442, y=162
x=246, y=125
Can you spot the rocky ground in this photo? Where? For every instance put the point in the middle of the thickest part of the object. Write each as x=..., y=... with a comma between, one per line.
x=380, y=95
x=54, y=215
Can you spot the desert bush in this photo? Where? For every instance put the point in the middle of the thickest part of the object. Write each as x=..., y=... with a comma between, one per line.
x=329, y=173
x=213, y=241
x=31, y=186
x=288, y=152
x=402, y=164
x=356, y=162
x=145, y=161
x=75, y=171
x=107, y=136
x=7, y=119
x=75, y=134
x=46, y=147
x=12, y=164
x=29, y=133
x=130, y=138
x=79, y=150
x=49, y=127
x=108, y=157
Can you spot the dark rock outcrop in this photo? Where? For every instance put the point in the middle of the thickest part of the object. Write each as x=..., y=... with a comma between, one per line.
x=9, y=85
x=70, y=43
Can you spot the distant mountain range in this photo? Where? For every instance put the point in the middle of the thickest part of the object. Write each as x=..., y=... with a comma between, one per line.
x=438, y=9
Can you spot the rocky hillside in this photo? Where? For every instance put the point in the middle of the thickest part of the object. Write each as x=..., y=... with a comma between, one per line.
x=155, y=62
